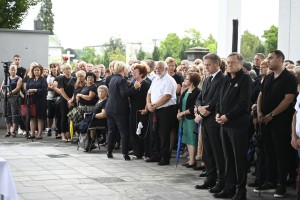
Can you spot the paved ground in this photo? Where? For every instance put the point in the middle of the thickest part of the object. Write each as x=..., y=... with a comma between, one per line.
x=49, y=169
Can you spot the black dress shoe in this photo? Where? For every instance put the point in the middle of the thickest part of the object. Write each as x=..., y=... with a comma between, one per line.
x=204, y=186
x=190, y=166
x=199, y=167
x=152, y=160
x=203, y=174
x=109, y=155
x=224, y=195
x=217, y=188
x=185, y=164
x=126, y=157
x=161, y=163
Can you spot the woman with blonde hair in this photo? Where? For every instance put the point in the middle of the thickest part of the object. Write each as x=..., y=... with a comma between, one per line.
x=13, y=107
x=66, y=86
x=117, y=109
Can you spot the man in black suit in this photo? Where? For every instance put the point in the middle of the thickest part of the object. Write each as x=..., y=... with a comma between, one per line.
x=117, y=109
x=233, y=114
x=206, y=104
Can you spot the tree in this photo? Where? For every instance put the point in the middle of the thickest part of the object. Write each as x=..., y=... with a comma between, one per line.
x=89, y=55
x=113, y=44
x=194, y=38
x=141, y=54
x=156, y=54
x=116, y=55
x=271, y=36
x=249, y=45
x=14, y=11
x=211, y=43
x=170, y=46
x=46, y=16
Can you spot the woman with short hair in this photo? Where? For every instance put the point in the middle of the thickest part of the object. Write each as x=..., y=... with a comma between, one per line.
x=13, y=107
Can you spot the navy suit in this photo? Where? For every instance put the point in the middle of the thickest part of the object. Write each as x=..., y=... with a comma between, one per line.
x=117, y=111
x=212, y=145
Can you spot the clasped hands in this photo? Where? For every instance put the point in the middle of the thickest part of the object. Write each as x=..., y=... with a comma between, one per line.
x=221, y=119
x=32, y=91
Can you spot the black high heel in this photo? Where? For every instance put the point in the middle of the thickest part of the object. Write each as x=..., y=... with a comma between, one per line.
x=109, y=155
x=126, y=157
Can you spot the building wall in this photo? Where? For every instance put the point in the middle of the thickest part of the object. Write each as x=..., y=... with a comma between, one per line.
x=30, y=45
x=289, y=29
x=229, y=10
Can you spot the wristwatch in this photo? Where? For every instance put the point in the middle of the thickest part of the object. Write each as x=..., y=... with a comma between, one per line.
x=271, y=114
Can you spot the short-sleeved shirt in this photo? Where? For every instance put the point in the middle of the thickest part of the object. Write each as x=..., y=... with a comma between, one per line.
x=21, y=71
x=161, y=86
x=85, y=91
x=274, y=91
x=67, y=84
x=178, y=78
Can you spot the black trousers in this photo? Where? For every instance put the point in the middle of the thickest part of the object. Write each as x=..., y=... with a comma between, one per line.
x=117, y=122
x=235, y=144
x=214, y=163
x=140, y=144
x=160, y=137
x=64, y=124
x=276, y=142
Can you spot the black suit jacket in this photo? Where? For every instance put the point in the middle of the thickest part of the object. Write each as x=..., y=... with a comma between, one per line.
x=119, y=92
x=235, y=100
x=210, y=95
x=190, y=102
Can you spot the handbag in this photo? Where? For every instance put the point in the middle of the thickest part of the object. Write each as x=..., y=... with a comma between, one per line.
x=32, y=109
x=76, y=114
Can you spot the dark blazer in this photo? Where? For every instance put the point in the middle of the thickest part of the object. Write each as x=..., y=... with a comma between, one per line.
x=119, y=92
x=190, y=102
x=210, y=95
x=235, y=100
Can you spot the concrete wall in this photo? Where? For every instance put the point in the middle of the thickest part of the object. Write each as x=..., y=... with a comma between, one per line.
x=229, y=10
x=289, y=29
x=30, y=45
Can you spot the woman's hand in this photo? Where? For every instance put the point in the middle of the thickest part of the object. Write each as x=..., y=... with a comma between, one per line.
x=180, y=115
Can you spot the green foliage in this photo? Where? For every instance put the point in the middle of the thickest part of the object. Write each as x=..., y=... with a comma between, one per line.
x=46, y=16
x=271, y=36
x=89, y=55
x=249, y=45
x=156, y=53
x=141, y=54
x=113, y=44
x=116, y=55
x=194, y=38
x=211, y=43
x=170, y=46
x=14, y=11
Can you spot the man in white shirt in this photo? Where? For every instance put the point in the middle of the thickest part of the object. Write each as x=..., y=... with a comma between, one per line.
x=161, y=101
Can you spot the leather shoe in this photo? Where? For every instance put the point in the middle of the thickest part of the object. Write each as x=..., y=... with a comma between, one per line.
x=199, y=167
x=217, y=188
x=185, y=164
x=152, y=160
x=204, y=186
x=224, y=195
x=203, y=174
x=109, y=155
x=161, y=163
x=190, y=166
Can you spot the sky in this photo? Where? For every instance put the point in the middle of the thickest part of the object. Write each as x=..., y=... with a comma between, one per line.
x=80, y=23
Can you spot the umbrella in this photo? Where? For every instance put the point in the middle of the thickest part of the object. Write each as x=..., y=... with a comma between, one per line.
x=180, y=133
x=71, y=129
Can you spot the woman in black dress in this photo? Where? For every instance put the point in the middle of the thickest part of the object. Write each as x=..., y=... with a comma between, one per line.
x=99, y=111
x=66, y=86
x=36, y=90
x=139, y=113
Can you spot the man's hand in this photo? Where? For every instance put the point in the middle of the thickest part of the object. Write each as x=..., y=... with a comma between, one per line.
x=203, y=111
x=267, y=119
x=143, y=112
x=221, y=119
x=150, y=107
x=197, y=118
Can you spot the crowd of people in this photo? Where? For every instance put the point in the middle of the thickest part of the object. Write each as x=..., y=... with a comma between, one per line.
x=228, y=114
